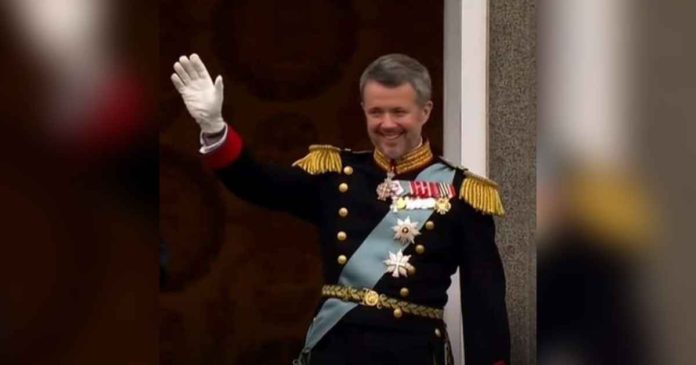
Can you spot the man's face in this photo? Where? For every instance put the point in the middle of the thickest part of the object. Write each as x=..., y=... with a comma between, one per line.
x=394, y=117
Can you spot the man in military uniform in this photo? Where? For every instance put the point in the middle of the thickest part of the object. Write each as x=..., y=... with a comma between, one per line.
x=395, y=223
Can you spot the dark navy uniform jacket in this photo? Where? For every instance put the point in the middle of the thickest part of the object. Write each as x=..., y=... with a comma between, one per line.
x=335, y=190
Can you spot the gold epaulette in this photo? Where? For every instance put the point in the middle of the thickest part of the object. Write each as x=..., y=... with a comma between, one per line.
x=481, y=193
x=322, y=158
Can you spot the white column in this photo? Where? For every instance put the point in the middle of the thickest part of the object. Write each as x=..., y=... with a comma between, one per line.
x=465, y=115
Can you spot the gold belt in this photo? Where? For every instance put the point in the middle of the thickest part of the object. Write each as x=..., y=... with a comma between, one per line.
x=371, y=298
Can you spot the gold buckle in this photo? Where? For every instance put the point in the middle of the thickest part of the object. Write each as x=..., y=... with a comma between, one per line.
x=371, y=298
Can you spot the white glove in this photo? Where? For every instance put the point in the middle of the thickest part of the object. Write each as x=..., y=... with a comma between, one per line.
x=203, y=99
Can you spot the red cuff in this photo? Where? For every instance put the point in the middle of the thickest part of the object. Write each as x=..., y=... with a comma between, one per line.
x=227, y=153
x=499, y=363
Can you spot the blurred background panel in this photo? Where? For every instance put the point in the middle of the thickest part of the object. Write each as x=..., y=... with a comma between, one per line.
x=666, y=89
x=615, y=183
x=78, y=182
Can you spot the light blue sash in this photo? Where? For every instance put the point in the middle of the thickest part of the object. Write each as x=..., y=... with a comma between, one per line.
x=366, y=266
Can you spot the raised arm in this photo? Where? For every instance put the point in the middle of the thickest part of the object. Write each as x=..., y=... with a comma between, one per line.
x=279, y=188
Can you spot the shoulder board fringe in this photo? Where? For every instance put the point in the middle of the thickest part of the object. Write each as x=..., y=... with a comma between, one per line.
x=481, y=193
x=321, y=159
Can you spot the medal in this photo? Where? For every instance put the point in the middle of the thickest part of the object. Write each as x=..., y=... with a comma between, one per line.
x=406, y=231
x=442, y=205
x=400, y=203
x=428, y=189
x=398, y=265
x=384, y=190
x=412, y=195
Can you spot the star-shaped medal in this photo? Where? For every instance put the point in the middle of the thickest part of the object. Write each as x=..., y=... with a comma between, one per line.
x=443, y=206
x=398, y=265
x=405, y=231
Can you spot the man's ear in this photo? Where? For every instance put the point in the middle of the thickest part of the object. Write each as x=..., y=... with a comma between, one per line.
x=426, y=109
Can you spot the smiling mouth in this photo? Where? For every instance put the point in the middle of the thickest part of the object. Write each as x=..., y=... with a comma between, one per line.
x=391, y=137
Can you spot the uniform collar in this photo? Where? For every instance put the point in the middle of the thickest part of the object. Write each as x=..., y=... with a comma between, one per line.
x=414, y=160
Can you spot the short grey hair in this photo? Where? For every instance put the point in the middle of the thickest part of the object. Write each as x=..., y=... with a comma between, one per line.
x=394, y=70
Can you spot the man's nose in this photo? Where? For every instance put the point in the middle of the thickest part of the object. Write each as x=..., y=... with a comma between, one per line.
x=388, y=121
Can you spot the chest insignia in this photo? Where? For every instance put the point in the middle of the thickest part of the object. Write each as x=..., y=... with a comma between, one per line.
x=406, y=231
x=410, y=195
x=388, y=188
x=397, y=264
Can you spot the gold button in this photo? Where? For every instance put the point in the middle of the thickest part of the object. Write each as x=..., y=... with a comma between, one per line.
x=437, y=332
x=343, y=212
x=341, y=236
x=411, y=270
x=429, y=225
x=404, y=292
x=398, y=313
x=348, y=170
x=420, y=249
x=342, y=259
x=343, y=187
